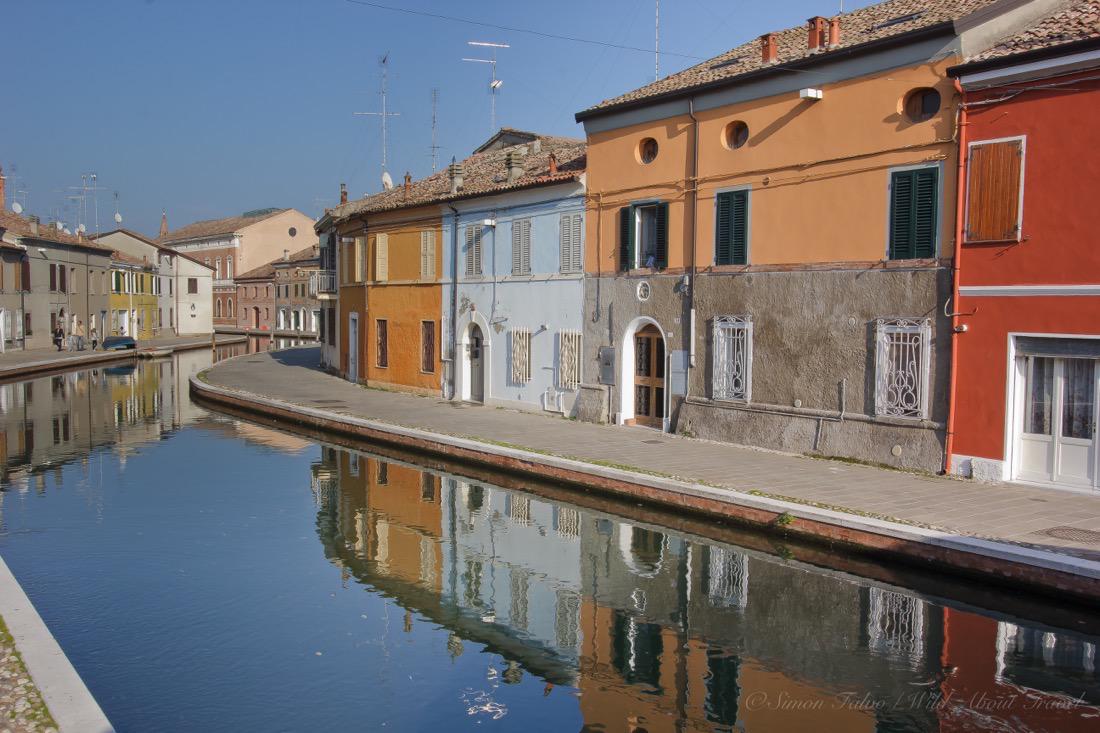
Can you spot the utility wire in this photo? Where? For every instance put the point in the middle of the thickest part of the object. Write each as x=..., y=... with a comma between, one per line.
x=513, y=29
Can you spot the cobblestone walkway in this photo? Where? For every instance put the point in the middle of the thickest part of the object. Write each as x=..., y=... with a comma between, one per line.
x=21, y=707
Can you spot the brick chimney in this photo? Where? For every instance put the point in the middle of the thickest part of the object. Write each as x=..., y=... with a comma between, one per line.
x=455, y=171
x=553, y=164
x=34, y=226
x=343, y=193
x=286, y=255
x=769, y=49
x=163, y=223
x=834, y=32
x=817, y=28
x=408, y=182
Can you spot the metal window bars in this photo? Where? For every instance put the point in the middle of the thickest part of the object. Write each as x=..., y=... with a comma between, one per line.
x=521, y=356
x=902, y=359
x=895, y=625
x=732, y=378
x=569, y=359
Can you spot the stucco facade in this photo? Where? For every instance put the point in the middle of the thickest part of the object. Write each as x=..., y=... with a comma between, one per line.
x=134, y=300
x=255, y=309
x=297, y=308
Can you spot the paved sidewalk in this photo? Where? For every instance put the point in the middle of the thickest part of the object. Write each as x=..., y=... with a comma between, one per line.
x=22, y=709
x=1049, y=519
x=11, y=362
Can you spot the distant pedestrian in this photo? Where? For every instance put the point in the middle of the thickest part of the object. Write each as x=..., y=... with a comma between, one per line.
x=94, y=335
x=80, y=335
x=58, y=336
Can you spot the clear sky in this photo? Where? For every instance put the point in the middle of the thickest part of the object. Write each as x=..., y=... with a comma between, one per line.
x=209, y=108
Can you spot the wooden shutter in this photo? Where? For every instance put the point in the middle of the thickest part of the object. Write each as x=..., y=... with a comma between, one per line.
x=662, y=235
x=470, y=251
x=577, y=253
x=53, y=276
x=913, y=213
x=993, y=191
x=427, y=255
x=25, y=266
x=565, y=243
x=626, y=238
x=382, y=257
x=478, y=231
x=525, y=248
x=731, y=228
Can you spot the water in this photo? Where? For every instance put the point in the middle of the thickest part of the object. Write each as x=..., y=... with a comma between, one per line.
x=205, y=572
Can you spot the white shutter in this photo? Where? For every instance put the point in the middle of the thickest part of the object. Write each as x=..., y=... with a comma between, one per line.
x=577, y=254
x=565, y=243
x=517, y=247
x=526, y=248
x=521, y=356
x=473, y=255
x=382, y=257
x=427, y=254
x=478, y=231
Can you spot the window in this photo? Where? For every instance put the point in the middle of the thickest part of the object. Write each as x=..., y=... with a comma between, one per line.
x=732, y=378
x=170, y=286
x=53, y=277
x=229, y=307
x=72, y=280
x=382, y=350
x=358, y=259
x=217, y=268
x=993, y=188
x=521, y=356
x=473, y=251
x=735, y=135
x=571, y=237
x=63, y=278
x=569, y=359
x=229, y=267
x=192, y=285
x=25, y=275
x=922, y=104
x=382, y=257
x=427, y=254
x=521, y=247
x=731, y=229
x=427, y=346
x=914, y=198
x=647, y=150
x=27, y=324
x=643, y=236
x=218, y=308
x=902, y=357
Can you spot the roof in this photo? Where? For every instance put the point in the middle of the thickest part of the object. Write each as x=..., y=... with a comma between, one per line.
x=263, y=272
x=160, y=247
x=886, y=20
x=20, y=226
x=217, y=227
x=123, y=258
x=1078, y=21
x=312, y=252
x=484, y=173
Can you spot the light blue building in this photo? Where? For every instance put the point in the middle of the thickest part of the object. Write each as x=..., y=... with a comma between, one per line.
x=514, y=315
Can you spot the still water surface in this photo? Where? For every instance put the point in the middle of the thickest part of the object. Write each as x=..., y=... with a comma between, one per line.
x=208, y=573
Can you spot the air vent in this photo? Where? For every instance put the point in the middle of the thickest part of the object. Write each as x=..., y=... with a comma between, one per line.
x=897, y=21
x=728, y=62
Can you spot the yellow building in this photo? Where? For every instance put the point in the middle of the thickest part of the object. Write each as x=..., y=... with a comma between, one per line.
x=133, y=298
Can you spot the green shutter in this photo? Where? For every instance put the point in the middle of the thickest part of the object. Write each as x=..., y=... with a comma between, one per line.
x=662, y=235
x=913, y=215
x=731, y=228
x=626, y=238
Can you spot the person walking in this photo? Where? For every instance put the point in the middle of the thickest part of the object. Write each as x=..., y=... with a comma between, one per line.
x=94, y=335
x=80, y=335
x=58, y=336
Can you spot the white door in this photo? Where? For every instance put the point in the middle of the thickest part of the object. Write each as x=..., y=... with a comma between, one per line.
x=1057, y=435
x=353, y=347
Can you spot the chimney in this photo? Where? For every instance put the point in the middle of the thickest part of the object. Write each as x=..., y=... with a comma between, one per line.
x=456, y=173
x=553, y=164
x=817, y=27
x=286, y=255
x=769, y=50
x=514, y=162
x=163, y=223
x=343, y=193
x=834, y=32
x=408, y=182
x=34, y=226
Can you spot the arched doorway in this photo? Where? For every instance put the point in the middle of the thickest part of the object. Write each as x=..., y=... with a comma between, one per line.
x=475, y=364
x=643, y=396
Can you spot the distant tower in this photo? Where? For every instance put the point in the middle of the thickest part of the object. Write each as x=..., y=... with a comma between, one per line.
x=163, y=223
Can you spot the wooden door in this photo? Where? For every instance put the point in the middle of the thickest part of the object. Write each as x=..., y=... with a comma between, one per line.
x=649, y=378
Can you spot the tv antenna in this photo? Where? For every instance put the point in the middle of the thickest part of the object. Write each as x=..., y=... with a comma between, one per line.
x=494, y=82
x=657, y=40
x=435, y=146
x=387, y=180
x=118, y=216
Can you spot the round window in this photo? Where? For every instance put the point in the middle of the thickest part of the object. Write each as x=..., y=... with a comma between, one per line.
x=292, y=232
x=922, y=104
x=647, y=150
x=643, y=292
x=736, y=134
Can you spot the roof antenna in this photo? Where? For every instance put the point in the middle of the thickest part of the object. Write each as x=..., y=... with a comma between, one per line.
x=494, y=82
x=657, y=41
x=387, y=180
x=435, y=146
x=118, y=216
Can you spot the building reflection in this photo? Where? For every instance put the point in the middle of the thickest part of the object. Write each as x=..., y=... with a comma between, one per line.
x=662, y=632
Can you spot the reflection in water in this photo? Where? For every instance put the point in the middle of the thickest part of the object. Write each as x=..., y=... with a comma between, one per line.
x=499, y=606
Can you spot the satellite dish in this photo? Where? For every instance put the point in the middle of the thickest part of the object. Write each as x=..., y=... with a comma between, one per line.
x=82, y=229
x=17, y=207
x=59, y=226
x=496, y=84
x=387, y=181
x=66, y=231
x=118, y=218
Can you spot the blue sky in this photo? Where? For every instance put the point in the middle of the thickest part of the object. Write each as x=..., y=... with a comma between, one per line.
x=209, y=108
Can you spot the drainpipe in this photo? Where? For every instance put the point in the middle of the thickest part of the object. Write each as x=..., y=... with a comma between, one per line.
x=454, y=302
x=955, y=333
x=694, y=229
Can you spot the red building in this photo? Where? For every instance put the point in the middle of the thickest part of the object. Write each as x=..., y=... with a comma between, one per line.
x=256, y=299
x=1027, y=305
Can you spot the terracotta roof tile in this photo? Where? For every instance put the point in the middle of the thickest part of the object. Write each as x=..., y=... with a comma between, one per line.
x=1079, y=21
x=263, y=272
x=873, y=23
x=20, y=226
x=311, y=252
x=117, y=256
x=216, y=227
x=483, y=174
x=159, y=246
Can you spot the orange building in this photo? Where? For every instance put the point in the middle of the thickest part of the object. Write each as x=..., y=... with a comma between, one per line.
x=770, y=236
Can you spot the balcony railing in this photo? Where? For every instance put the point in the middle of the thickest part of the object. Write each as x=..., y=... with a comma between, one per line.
x=322, y=281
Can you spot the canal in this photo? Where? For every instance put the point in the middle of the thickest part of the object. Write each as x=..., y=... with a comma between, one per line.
x=208, y=572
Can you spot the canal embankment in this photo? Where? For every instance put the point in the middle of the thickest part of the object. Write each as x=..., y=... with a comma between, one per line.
x=21, y=364
x=1016, y=536
x=39, y=688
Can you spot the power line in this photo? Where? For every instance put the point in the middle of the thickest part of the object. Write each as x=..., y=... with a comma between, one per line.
x=514, y=29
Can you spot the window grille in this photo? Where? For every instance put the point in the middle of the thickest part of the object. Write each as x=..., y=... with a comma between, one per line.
x=519, y=509
x=567, y=522
x=427, y=346
x=571, y=237
x=732, y=378
x=569, y=359
x=521, y=247
x=902, y=358
x=521, y=356
x=473, y=251
x=895, y=625
x=427, y=254
x=727, y=578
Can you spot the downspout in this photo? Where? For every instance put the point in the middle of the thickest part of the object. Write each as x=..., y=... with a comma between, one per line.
x=454, y=303
x=960, y=185
x=694, y=245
